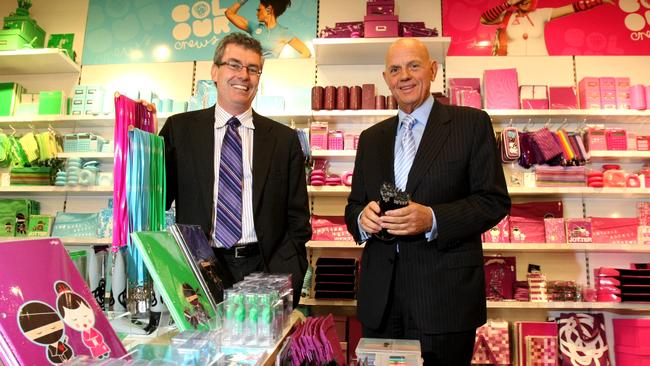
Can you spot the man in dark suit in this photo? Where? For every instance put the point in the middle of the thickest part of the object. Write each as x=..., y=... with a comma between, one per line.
x=428, y=283
x=240, y=175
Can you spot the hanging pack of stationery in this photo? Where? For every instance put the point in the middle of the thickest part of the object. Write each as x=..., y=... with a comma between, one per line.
x=509, y=144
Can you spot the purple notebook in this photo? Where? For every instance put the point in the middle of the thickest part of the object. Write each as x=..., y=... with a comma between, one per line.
x=47, y=313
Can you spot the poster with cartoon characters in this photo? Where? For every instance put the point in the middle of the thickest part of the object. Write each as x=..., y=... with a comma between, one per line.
x=180, y=288
x=121, y=31
x=546, y=27
x=47, y=313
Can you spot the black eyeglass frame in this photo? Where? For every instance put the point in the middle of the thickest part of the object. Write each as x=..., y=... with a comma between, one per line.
x=236, y=66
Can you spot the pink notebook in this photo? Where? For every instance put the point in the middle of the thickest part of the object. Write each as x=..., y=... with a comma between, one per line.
x=47, y=313
x=530, y=336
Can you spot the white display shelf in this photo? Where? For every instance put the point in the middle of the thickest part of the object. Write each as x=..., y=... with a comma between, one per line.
x=298, y=118
x=342, y=154
x=568, y=305
x=510, y=304
x=354, y=116
x=573, y=192
x=567, y=192
x=369, y=51
x=65, y=121
x=328, y=191
x=66, y=241
x=622, y=155
x=571, y=115
x=56, y=190
x=572, y=247
x=86, y=155
x=36, y=61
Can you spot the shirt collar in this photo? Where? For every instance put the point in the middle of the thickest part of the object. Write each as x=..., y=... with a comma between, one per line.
x=221, y=117
x=421, y=113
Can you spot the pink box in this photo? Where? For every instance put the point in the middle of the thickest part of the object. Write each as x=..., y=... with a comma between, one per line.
x=501, y=89
x=578, y=230
x=533, y=96
x=380, y=26
x=469, y=98
x=385, y=7
x=554, y=231
x=623, y=93
x=534, y=104
x=638, y=97
x=562, y=97
x=498, y=234
x=335, y=140
x=318, y=136
x=606, y=83
x=589, y=93
x=614, y=230
x=457, y=84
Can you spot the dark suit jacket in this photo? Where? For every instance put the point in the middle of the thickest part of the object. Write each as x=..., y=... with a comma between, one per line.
x=457, y=173
x=280, y=204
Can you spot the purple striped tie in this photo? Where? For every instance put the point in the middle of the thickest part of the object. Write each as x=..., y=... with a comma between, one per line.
x=229, y=199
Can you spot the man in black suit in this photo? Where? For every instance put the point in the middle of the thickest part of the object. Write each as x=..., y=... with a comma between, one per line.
x=428, y=283
x=240, y=175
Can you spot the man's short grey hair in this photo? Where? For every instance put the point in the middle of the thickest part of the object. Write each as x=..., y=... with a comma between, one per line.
x=237, y=38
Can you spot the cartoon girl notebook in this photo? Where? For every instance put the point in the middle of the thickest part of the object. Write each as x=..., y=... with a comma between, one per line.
x=181, y=290
x=195, y=245
x=47, y=313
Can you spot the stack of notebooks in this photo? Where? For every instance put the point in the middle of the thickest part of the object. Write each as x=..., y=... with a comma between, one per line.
x=336, y=278
x=182, y=264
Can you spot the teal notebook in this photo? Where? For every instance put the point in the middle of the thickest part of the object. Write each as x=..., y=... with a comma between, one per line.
x=181, y=290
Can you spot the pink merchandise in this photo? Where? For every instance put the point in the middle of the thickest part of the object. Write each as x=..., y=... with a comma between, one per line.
x=318, y=135
x=578, y=230
x=380, y=26
x=623, y=93
x=614, y=230
x=500, y=233
x=492, y=344
x=562, y=97
x=554, y=230
x=335, y=140
x=380, y=7
x=525, y=332
x=607, y=87
x=368, y=96
x=533, y=96
x=500, y=277
x=501, y=89
x=589, y=93
x=596, y=140
x=638, y=97
x=616, y=139
x=647, y=95
x=330, y=228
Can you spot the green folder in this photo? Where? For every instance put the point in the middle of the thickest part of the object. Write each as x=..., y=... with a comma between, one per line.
x=181, y=291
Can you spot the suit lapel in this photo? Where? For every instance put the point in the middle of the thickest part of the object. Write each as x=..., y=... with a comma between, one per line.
x=386, y=147
x=435, y=134
x=202, y=137
x=263, y=150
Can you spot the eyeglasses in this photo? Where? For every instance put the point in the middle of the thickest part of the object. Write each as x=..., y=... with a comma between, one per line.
x=236, y=66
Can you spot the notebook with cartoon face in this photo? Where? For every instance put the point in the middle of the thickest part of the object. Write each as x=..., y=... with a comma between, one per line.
x=47, y=313
x=182, y=292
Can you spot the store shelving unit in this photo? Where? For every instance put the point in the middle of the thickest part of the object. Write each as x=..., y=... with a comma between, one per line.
x=364, y=51
x=36, y=61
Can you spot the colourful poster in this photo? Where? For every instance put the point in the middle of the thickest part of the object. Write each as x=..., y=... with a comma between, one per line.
x=547, y=27
x=144, y=31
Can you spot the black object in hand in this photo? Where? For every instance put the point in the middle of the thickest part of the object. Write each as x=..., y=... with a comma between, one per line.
x=392, y=198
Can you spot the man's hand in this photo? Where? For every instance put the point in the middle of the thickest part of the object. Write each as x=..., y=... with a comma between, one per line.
x=369, y=220
x=410, y=220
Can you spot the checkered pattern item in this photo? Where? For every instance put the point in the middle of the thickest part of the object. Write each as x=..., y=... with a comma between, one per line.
x=492, y=345
x=542, y=351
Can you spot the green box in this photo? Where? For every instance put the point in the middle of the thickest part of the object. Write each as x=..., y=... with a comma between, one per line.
x=10, y=94
x=51, y=102
x=27, y=27
x=62, y=41
x=12, y=39
x=39, y=225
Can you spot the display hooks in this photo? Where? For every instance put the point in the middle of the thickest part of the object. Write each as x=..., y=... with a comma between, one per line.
x=13, y=130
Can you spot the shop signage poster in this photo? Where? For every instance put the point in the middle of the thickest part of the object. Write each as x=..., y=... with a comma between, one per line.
x=547, y=27
x=145, y=31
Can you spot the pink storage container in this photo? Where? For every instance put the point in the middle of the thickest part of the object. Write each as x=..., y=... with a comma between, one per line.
x=380, y=26
x=632, y=333
x=633, y=357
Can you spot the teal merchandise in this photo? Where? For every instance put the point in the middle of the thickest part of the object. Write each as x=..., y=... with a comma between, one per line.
x=67, y=224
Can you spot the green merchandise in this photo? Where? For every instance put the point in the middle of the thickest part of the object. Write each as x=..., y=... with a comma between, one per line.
x=51, y=102
x=21, y=31
x=179, y=286
x=10, y=94
x=62, y=41
x=39, y=225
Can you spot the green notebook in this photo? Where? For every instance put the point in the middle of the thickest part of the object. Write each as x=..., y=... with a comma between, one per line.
x=181, y=290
